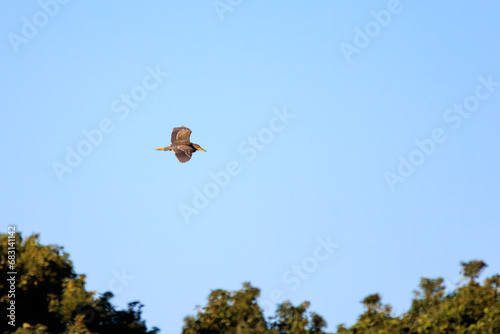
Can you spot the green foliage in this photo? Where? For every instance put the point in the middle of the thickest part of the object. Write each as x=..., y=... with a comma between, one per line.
x=238, y=313
x=229, y=312
x=51, y=298
x=472, y=269
x=470, y=309
x=294, y=320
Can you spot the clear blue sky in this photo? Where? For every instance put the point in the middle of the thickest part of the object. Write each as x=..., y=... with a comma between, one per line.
x=386, y=149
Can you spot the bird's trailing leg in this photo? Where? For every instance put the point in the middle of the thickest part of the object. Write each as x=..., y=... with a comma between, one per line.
x=168, y=148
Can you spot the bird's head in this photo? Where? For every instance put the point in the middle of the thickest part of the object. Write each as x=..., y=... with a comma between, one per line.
x=198, y=148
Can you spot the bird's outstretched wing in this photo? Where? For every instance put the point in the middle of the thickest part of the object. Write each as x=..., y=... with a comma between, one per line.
x=180, y=134
x=183, y=152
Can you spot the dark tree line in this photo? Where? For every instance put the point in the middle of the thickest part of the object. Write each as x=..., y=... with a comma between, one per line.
x=51, y=298
x=238, y=312
x=471, y=308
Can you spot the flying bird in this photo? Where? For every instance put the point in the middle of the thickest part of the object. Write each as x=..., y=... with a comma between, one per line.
x=181, y=145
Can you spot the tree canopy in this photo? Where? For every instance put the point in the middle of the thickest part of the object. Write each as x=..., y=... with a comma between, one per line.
x=470, y=308
x=238, y=313
x=51, y=298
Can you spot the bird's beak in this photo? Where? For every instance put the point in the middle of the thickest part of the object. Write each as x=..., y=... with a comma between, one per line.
x=200, y=149
x=159, y=149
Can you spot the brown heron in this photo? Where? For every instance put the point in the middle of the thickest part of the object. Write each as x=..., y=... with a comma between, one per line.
x=181, y=145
